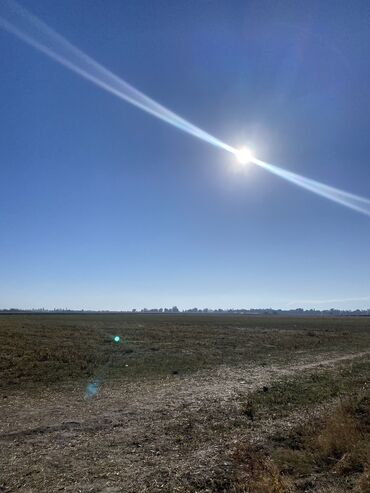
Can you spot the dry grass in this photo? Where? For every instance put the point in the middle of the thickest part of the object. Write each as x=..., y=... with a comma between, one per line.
x=160, y=425
x=45, y=349
x=308, y=390
x=325, y=454
x=336, y=447
x=255, y=472
x=328, y=455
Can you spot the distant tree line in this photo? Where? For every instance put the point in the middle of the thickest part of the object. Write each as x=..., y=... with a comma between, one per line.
x=235, y=311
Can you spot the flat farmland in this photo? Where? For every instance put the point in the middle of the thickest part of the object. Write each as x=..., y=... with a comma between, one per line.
x=184, y=403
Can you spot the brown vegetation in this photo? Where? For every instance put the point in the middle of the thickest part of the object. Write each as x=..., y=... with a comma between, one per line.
x=208, y=404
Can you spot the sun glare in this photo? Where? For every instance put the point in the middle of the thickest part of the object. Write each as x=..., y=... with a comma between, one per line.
x=244, y=155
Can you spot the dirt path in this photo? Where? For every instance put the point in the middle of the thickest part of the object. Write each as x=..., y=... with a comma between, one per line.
x=131, y=437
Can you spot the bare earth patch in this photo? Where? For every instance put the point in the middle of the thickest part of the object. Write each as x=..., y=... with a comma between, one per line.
x=136, y=436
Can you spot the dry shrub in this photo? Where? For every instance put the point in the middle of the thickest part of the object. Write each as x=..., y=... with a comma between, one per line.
x=294, y=462
x=344, y=438
x=336, y=447
x=255, y=472
x=338, y=436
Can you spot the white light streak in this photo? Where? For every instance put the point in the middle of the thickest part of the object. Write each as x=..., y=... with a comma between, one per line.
x=355, y=202
x=18, y=21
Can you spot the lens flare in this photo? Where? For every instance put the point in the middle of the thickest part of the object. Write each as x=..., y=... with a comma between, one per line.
x=92, y=389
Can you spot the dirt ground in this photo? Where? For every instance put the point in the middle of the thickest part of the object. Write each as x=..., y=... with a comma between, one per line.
x=141, y=436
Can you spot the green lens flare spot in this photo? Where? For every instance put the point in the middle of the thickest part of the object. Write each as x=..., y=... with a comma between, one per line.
x=117, y=339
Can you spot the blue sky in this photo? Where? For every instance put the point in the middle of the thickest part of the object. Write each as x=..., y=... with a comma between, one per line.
x=103, y=206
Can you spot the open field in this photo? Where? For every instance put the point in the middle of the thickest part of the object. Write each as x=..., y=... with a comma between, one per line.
x=184, y=403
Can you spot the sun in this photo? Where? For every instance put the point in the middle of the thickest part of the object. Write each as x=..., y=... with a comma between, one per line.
x=244, y=155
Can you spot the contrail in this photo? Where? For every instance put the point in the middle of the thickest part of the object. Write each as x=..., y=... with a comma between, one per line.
x=18, y=21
